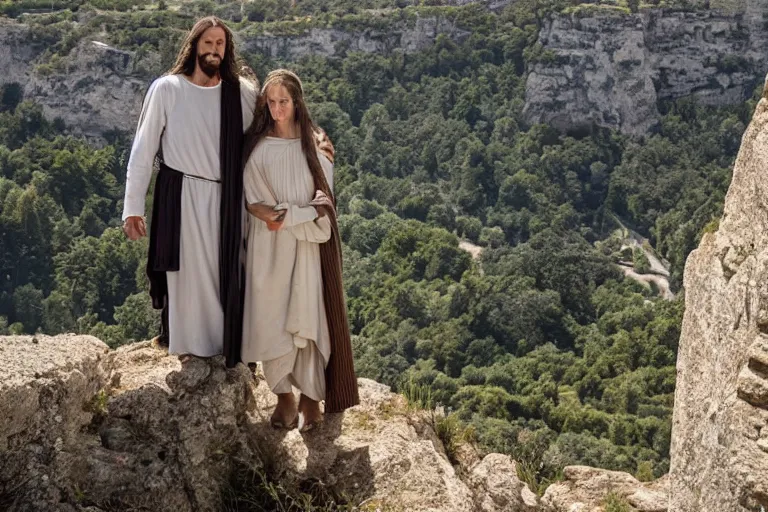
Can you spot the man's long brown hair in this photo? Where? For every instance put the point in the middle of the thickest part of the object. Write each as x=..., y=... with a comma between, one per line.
x=230, y=68
x=263, y=124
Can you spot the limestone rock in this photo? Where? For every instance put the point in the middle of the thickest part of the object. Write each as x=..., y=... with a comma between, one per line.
x=719, y=451
x=331, y=42
x=93, y=429
x=20, y=50
x=99, y=89
x=611, y=69
x=596, y=68
x=379, y=454
x=497, y=487
x=47, y=387
x=585, y=490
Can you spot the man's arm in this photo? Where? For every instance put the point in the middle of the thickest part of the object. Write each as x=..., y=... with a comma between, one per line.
x=145, y=147
x=324, y=144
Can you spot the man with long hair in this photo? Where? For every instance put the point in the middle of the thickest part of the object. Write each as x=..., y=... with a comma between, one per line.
x=194, y=116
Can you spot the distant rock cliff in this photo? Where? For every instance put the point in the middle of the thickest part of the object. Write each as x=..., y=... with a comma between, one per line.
x=596, y=66
x=600, y=66
x=331, y=42
x=98, y=88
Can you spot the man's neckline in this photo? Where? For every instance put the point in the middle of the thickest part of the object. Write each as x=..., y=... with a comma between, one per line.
x=193, y=84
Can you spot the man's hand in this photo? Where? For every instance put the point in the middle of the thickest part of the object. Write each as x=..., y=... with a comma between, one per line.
x=321, y=202
x=134, y=227
x=324, y=144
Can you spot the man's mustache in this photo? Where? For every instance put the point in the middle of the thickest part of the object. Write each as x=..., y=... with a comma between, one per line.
x=206, y=55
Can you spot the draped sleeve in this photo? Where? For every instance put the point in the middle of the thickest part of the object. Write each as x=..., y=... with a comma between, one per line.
x=145, y=146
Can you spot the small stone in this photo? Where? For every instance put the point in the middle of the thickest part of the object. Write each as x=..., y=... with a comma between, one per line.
x=58, y=418
x=762, y=319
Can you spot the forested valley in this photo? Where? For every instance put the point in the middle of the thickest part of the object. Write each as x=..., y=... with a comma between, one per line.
x=528, y=333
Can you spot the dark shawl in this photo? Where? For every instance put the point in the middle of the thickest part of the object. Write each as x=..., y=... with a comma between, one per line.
x=231, y=274
x=164, y=233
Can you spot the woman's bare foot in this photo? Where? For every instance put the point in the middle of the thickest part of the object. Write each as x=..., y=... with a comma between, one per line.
x=285, y=415
x=310, y=410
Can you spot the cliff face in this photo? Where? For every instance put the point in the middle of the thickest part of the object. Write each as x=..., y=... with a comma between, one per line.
x=612, y=70
x=597, y=66
x=331, y=42
x=98, y=88
x=719, y=453
x=18, y=52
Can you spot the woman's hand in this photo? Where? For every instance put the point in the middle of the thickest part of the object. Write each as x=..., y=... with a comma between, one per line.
x=266, y=213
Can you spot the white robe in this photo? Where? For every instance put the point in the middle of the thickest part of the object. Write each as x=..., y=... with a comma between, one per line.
x=285, y=325
x=186, y=118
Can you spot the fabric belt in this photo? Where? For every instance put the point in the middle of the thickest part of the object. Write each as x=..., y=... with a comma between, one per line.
x=194, y=177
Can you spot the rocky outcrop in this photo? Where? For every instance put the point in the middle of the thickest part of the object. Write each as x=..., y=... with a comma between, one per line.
x=117, y=430
x=96, y=89
x=719, y=452
x=20, y=49
x=408, y=38
x=495, y=486
x=46, y=389
x=585, y=489
x=92, y=429
x=602, y=67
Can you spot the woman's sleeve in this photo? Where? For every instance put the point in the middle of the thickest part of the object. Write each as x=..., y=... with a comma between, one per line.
x=303, y=221
x=327, y=168
x=251, y=177
x=304, y=224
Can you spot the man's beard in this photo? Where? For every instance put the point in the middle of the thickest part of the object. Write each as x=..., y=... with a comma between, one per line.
x=209, y=68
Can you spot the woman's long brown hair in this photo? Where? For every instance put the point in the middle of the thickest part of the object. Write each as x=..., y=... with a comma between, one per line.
x=263, y=124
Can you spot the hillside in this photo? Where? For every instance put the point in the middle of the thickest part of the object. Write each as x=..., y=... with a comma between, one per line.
x=540, y=348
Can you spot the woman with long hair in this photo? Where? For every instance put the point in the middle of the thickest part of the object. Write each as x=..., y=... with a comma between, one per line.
x=294, y=316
